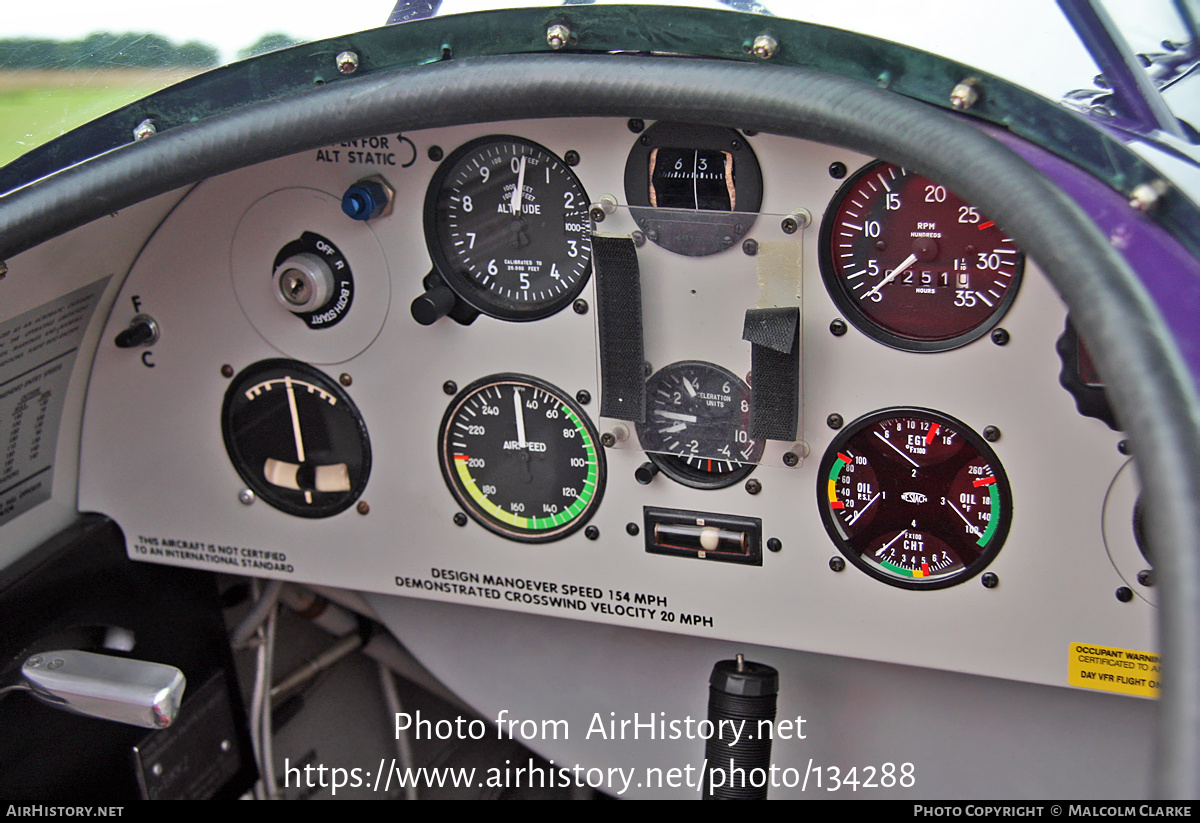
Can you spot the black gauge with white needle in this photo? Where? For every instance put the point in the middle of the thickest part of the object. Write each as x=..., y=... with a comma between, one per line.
x=697, y=427
x=914, y=498
x=508, y=228
x=295, y=437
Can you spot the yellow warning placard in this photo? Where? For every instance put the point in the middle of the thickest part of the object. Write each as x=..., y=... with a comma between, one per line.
x=1108, y=669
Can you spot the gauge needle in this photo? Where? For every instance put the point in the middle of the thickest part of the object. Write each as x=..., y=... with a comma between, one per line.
x=515, y=205
x=520, y=412
x=863, y=510
x=970, y=527
x=691, y=390
x=892, y=275
x=669, y=415
x=902, y=454
x=291, y=396
x=888, y=545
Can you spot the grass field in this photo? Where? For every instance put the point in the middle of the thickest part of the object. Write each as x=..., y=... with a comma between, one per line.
x=37, y=106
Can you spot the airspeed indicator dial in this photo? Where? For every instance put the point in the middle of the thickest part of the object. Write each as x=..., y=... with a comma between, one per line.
x=521, y=458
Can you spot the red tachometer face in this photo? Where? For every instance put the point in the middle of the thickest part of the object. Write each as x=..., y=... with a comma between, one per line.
x=913, y=265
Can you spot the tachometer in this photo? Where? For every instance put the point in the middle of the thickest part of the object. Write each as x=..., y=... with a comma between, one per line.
x=521, y=458
x=508, y=228
x=914, y=498
x=913, y=265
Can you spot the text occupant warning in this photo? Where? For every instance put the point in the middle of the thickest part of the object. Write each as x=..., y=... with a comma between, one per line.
x=37, y=351
x=1113, y=670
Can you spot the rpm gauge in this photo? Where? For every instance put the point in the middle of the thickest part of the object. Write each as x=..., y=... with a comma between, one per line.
x=914, y=498
x=521, y=458
x=296, y=438
x=913, y=265
x=508, y=228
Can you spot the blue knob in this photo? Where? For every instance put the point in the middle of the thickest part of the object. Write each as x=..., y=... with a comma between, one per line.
x=364, y=200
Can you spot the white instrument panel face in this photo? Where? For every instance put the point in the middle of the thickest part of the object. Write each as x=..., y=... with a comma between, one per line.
x=154, y=457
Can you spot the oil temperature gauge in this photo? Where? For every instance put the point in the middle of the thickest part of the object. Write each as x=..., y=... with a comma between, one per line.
x=296, y=438
x=914, y=498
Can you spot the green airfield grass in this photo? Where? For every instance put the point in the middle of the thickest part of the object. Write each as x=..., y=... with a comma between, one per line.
x=37, y=106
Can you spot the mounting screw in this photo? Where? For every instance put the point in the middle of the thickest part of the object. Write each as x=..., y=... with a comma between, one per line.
x=1145, y=196
x=580, y=306
x=632, y=529
x=3, y=269
x=750, y=247
x=345, y=379
x=608, y=440
x=246, y=497
x=789, y=225
x=837, y=327
x=1125, y=447
x=764, y=47
x=636, y=125
x=837, y=564
x=597, y=214
x=144, y=129
x=989, y=580
x=591, y=533
x=157, y=769
x=227, y=370
x=991, y=434
x=460, y=519
x=435, y=153
x=1124, y=594
x=557, y=36
x=1146, y=577
x=347, y=62
x=226, y=745
x=834, y=421
x=753, y=486
x=837, y=170
x=774, y=544
x=639, y=239
x=450, y=388
x=34, y=661
x=791, y=459
x=964, y=94
x=362, y=507
x=571, y=158
x=1000, y=337
x=583, y=397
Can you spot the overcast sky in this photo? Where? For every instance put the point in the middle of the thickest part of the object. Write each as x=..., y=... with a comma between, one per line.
x=228, y=25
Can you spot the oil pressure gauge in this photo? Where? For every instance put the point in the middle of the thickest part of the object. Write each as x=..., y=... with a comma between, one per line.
x=296, y=438
x=914, y=498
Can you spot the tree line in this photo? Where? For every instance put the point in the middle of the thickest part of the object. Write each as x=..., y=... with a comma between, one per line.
x=107, y=50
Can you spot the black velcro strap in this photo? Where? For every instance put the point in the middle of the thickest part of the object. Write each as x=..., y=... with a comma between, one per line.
x=774, y=335
x=619, y=317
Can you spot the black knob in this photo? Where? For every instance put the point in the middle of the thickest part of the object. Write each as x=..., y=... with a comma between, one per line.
x=645, y=473
x=142, y=331
x=432, y=305
x=741, y=694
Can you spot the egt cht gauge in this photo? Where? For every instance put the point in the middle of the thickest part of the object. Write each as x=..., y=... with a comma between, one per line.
x=521, y=458
x=914, y=498
x=295, y=437
x=913, y=265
